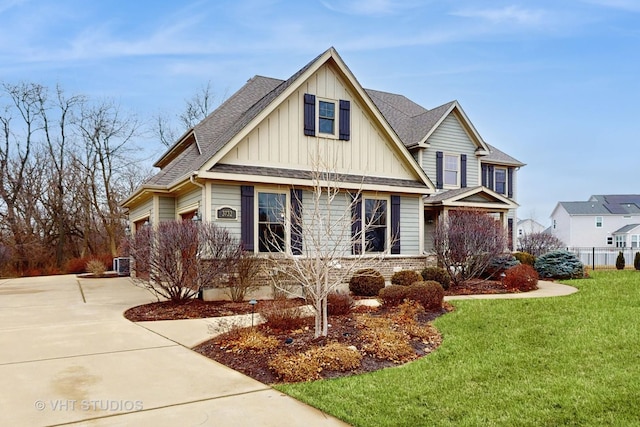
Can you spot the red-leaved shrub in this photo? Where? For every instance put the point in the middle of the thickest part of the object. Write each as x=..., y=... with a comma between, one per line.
x=522, y=277
x=77, y=265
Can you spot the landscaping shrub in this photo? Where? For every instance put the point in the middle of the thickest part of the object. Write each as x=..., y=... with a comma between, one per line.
x=522, y=277
x=293, y=368
x=339, y=304
x=437, y=274
x=282, y=314
x=251, y=339
x=307, y=366
x=636, y=261
x=620, y=261
x=337, y=357
x=383, y=341
x=243, y=281
x=429, y=294
x=525, y=258
x=367, y=282
x=405, y=278
x=559, y=264
x=499, y=265
x=77, y=265
x=96, y=267
x=393, y=295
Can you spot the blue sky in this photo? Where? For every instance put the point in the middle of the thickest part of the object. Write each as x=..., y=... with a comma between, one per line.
x=553, y=83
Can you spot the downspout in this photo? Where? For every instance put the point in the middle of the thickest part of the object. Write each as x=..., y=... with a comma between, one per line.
x=201, y=206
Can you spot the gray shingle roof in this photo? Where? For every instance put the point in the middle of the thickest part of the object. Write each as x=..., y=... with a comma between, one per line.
x=626, y=228
x=596, y=207
x=497, y=156
x=304, y=174
x=410, y=121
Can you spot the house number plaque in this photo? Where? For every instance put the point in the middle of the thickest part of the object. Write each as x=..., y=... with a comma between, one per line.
x=226, y=213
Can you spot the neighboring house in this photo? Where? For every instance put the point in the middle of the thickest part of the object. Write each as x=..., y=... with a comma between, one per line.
x=602, y=221
x=529, y=226
x=251, y=161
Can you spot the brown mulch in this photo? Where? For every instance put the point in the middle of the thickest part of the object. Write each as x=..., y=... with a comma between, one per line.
x=342, y=330
x=476, y=287
x=193, y=309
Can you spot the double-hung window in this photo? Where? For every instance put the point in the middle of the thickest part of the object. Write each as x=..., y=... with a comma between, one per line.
x=327, y=117
x=375, y=216
x=598, y=222
x=621, y=241
x=451, y=169
x=501, y=180
x=271, y=222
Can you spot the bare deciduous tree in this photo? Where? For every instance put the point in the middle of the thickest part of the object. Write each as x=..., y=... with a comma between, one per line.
x=538, y=243
x=176, y=259
x=326, y=250
x=199, y=106
x=465, y=242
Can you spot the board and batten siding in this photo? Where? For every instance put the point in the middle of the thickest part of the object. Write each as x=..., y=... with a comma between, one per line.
x=339, y=210
x=279, y=140
x=188, y=201
x=166, y=209
x=223, y=195
x=451, y=138
x=410, y=225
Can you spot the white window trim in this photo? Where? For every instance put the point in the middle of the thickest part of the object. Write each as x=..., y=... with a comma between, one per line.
x=256, y=219
x=600, y=223
x=336, y=120
x=444, y=170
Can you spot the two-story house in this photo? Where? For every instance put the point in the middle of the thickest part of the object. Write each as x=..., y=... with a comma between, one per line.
x=611, y=220
x=252, y=162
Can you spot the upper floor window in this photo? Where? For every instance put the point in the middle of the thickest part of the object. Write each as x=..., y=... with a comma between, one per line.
x=271, y=222
x=375, y=214
x=327, y=117
x=598, y=222
x=331, y=118
x=451, y=169
x=501, y=181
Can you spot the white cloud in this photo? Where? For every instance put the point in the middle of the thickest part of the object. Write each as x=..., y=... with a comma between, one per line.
x=368, y=7
x=627, y=5
x=509, y=14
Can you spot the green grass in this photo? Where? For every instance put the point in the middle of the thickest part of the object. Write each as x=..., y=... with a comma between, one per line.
x=571, y=360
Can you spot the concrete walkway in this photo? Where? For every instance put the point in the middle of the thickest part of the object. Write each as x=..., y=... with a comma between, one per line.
x=69, y=357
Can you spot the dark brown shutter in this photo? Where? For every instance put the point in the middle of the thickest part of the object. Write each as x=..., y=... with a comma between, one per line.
x=485, y=173
x=309, y=114
x=296, y=222
x=510, y=183
x=345, y=120
x=490, y=170
x=356, y=225
x=463, y=170
x=247, y=217
x=395, y=224
x=439, y=170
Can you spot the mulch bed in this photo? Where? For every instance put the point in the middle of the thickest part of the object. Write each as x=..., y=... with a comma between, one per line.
x=342, y=330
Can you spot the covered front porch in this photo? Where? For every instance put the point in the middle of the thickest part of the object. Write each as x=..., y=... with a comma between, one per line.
x=438, y=205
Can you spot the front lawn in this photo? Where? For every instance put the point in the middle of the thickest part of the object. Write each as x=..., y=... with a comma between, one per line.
x=571, y=360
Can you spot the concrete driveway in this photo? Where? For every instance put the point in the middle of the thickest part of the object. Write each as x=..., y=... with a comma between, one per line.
x=69, y=357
